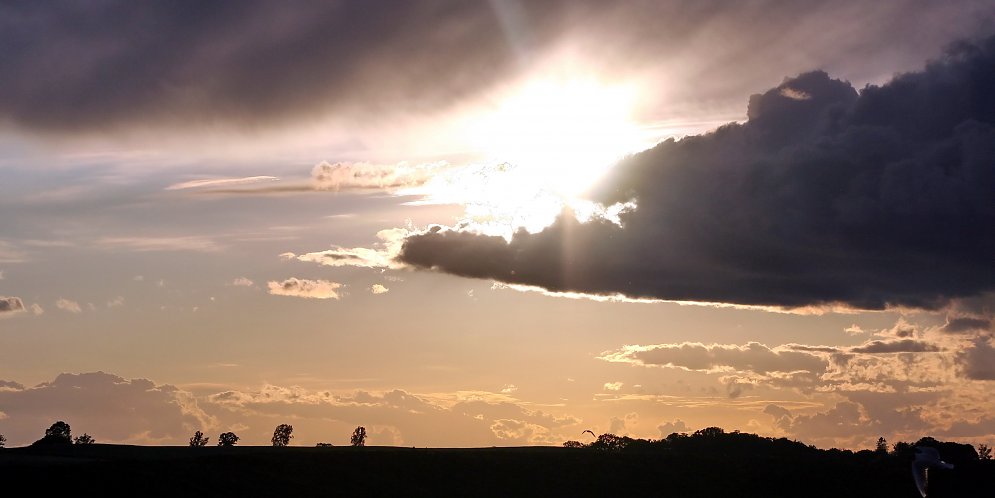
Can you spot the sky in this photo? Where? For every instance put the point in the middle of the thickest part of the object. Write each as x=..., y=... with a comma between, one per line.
x=497, y=223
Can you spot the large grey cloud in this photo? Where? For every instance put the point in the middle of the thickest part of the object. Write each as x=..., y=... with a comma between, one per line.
x=71, y=65
x=825, y=195
x=106, y=406
x=75, y=64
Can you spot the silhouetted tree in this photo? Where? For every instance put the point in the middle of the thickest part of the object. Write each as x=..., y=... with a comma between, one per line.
x=881, y=446
x=573, y=444
x=58, y=434
x=359, y=436
x=709, y=432
x=984, y=451
x=282, y=435
x=611, y=442
x=324, y=445
x=84, y=439
x=227, y=439
x=3, y=441
x=198, y=440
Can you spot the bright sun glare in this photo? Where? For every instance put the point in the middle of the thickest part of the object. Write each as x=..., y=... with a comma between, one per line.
x=562, y=134
x=543, y=144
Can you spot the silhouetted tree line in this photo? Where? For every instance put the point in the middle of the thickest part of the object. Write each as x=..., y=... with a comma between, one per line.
x=716, y=441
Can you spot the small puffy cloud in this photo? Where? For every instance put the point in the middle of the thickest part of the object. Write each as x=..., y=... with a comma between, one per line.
x=668, y=428
x=68, y=305
x=37, y=309
x=117, y=301
x=242, y=282
x=10, y=305
x=379, y=289
x=902, y=330
x=613, y=386
x=782, y=416
x=854, y=330
x=520, y=430
x=508, y=388
x=313, y=289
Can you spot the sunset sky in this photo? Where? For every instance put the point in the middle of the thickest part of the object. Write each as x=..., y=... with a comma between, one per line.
x=497, y=223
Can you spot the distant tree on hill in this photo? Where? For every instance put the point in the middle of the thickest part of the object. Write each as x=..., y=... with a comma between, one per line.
x=198, y=440
x=58, y=434
x=611, y=442
x=984, y=451
x=282, y=435
x=881, y=446
x=3, y=441
x=84, y=439
x=573, y=444
x=324, y=445
x=709, y=432
x=358, y=436
x=227, y=439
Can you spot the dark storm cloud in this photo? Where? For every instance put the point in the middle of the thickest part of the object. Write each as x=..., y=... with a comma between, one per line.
x=825, y=195
x=73, y=65
x=86, y=66
x=966, y=324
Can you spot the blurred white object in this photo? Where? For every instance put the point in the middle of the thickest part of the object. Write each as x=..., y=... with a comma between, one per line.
x=926, y=457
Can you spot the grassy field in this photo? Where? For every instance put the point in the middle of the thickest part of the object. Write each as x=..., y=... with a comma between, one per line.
x=109, y=470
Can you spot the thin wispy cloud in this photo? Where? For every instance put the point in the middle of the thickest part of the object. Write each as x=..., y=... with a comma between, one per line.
x=221, y=182
x=68, y=305
x=160, y=244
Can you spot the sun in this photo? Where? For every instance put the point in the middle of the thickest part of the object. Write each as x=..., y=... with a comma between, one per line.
x=540, y=146
x=562, y=134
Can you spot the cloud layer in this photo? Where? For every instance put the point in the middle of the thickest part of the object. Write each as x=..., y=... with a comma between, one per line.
x=73, y=67
x=824, y=196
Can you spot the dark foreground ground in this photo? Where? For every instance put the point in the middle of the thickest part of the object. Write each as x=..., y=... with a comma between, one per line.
x=108, y=470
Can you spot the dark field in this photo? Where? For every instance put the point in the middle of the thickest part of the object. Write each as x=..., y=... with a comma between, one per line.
x=108, y=470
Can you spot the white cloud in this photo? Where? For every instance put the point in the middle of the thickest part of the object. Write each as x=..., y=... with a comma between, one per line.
x=314, y=289
x=242, y=282
x=221, y=182
x=854, y=330
x=381, y=255
x=613, y=386
x=379, y=289
x=117, y=301
x=10, y=305
x=68, y=305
